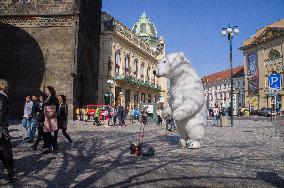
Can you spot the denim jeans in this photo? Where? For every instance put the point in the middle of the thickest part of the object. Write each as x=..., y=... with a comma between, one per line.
x=32, y=128
x=26, y=124
x=216, y=120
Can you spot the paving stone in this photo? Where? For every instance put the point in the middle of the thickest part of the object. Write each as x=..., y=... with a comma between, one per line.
x=246, y=155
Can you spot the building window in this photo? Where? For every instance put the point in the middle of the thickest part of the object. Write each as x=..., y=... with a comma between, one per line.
x=225, y=86
x=135, y=68
x=127, y=65
x=215, y=87
x=142, y=71
x=148, y=74
x=143, y=98
x=136, y=97
x=143, y=28
x=117, y=62
x=149, y=98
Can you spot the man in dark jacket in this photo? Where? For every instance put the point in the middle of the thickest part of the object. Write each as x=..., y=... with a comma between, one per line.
x=6, y=154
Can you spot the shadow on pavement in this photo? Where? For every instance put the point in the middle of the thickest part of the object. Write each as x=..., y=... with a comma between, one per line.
x=272, y=178
x=102, y=159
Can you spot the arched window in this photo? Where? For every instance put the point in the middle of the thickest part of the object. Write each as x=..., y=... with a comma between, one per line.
x=143, y=28
x=142, y=71
x=127, y=65
x=117, y=62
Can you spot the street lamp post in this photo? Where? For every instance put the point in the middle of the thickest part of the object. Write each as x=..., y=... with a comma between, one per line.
x=110, y=84
x=230, y=32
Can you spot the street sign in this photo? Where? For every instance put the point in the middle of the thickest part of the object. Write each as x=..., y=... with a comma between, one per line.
x=275, y=81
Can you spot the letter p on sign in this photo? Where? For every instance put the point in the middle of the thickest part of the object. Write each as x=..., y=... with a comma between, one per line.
x=275, y=81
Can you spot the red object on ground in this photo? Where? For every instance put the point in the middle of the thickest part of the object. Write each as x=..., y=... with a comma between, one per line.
x=137, y=151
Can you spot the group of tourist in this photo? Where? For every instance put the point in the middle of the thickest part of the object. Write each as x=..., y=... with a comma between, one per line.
x=45, y=115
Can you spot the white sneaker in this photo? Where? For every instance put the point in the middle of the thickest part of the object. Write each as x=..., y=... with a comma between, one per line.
x=72, y=144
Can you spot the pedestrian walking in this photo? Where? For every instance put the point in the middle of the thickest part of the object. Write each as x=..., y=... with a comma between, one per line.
x=34, y=120
x=62, y=120
x=132, y=115
x=40, y=132
x=50, y=107
x=159, y=115
x=115, y=115
x=120, y=110
x=109, y=116
x=85, y=113
x=144, y=116
x=216, y=113
x=136, y=114
x=27, y=116
x=78, y=113
x=6, y=153
x=97, y=116
x=124, y=116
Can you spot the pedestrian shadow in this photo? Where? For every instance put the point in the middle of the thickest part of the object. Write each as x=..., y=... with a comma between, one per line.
x=32, y=164
x=272, y=178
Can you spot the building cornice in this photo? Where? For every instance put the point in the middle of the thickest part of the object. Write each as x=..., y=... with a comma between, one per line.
x=268, y=35
x=39, y=21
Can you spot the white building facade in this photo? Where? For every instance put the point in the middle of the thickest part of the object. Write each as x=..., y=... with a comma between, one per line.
x=217, y=89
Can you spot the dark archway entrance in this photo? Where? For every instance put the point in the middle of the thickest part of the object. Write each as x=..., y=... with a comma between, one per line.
x=22, y=64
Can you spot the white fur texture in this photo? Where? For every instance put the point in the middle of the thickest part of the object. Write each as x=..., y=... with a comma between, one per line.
x=187, y=103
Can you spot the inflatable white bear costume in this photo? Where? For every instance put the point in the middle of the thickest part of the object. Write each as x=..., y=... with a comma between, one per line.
x=187, y=104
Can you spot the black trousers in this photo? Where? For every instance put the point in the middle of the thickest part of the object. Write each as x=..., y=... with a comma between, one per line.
x=50, y=141
x=6, y=156
x=40, y=135
x=64, y=134
x=160, y=121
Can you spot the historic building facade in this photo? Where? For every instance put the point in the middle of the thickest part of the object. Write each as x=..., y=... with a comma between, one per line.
x=127, y=60
x=49, y=42
x=217, y=88
x=263, y=55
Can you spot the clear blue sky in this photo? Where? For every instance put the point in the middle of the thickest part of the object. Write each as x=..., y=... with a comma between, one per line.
x=194, y=26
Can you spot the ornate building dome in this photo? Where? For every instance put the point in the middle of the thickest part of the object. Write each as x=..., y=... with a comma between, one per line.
x=146, y=30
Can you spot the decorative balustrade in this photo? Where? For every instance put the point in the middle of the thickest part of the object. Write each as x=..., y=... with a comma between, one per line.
x=139, y=82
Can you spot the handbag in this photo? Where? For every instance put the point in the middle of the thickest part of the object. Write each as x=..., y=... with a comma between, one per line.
x=50, y=122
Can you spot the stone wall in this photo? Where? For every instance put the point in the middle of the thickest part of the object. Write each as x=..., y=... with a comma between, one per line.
x=58, y=47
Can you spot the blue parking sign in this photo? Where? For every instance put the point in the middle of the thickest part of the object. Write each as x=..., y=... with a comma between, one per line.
x=275, y=81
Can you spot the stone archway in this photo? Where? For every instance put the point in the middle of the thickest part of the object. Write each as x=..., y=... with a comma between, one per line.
x=22, y=64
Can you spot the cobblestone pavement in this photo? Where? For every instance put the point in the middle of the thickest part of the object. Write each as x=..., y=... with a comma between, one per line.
x=244, y=156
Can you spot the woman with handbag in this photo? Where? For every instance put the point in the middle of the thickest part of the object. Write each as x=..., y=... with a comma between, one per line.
x=6, y=153
x=50, y=125
x=62, y=120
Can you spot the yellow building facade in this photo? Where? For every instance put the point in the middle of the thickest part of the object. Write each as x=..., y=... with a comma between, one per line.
x=263, y=55
x=127, y=60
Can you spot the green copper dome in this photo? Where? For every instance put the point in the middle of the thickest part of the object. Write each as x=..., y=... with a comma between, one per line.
x=146, y=30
